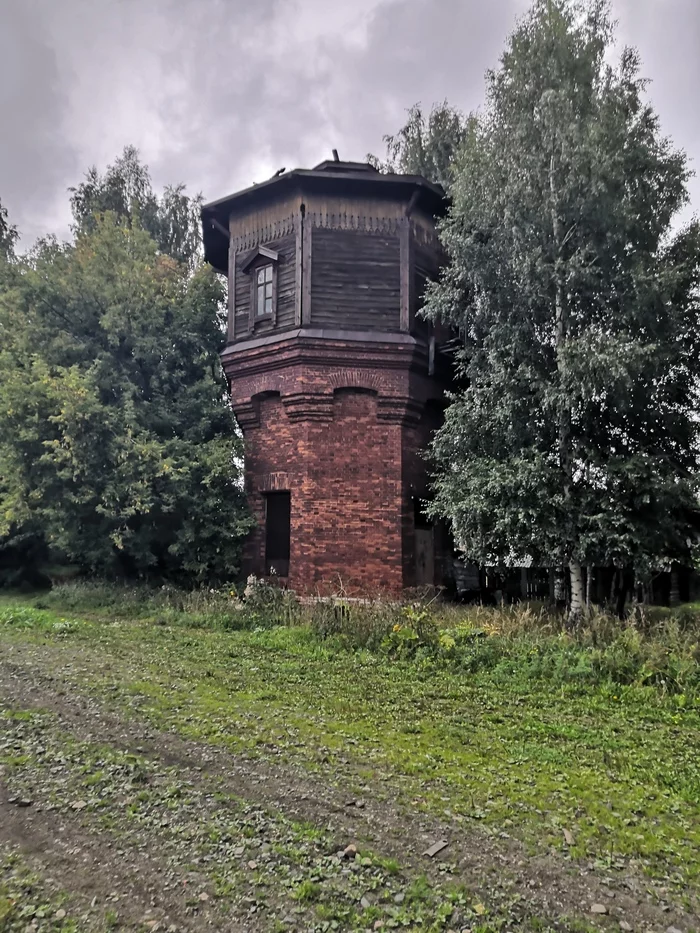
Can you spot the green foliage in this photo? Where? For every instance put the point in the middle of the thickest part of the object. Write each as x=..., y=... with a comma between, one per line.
x=425, y=145
x=521, y=644
x=573, y=437
x=125, y=190
x=265, y=605
x=8, y=235
x=117, y=444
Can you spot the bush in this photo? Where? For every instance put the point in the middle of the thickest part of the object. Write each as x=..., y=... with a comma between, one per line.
x=353, y=623
x=657, y=648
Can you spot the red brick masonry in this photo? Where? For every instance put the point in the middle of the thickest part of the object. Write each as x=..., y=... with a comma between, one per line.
x=337, y=418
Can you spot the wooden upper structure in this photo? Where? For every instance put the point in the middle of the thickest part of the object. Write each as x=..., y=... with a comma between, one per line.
x=325, y=275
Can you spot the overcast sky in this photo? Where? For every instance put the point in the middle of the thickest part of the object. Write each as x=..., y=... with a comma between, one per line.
x=221, y=93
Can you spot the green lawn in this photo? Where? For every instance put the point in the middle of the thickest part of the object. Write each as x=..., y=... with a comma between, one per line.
x=614, y=768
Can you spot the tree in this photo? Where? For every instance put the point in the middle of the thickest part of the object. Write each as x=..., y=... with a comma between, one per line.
x=574, y=435
x=116, y=437
x=125, y=189
x=8, y=235
x=425, y=145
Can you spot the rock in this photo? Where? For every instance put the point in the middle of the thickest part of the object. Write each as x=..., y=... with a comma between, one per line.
x=204, y=896
x=435, y=848
x=78, y=805
x=23, y=802
x=378, y=924
x=673, y=930
x=359, y=804
x=399, y=898
x=60, y=914
x=599, y=909
x=625, y=926
x=350, y=851
x=569, y=838
x=252, y=865
x=364, y=903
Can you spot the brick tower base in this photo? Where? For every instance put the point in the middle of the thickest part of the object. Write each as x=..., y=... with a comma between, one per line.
x=339, y=420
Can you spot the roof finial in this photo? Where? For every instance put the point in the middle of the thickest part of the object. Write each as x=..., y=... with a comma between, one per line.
x=336, y=157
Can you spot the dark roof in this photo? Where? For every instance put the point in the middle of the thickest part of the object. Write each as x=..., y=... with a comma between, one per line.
x=332, y=177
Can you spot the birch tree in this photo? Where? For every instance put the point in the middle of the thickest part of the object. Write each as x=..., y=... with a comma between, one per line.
x=573, y=437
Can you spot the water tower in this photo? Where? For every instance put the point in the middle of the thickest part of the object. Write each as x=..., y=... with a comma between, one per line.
x=335, y=382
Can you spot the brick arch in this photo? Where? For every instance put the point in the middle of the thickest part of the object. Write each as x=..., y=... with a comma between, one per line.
x=356, y=379
x=265, y=394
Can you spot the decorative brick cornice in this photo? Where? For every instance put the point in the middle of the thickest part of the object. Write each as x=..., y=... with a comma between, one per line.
x=307, y=406
x=399, y=410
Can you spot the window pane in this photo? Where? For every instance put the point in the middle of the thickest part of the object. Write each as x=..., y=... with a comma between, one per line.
x=268, y=306
x=260, y=301
x=261, y=276
x=268, y=273
x=268, y=290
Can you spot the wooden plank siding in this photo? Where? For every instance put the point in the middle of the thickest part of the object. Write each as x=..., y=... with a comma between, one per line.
x=355, y=280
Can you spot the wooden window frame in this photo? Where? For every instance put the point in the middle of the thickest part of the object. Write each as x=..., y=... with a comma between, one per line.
x=254, y=273
x=261, y=258
x=271, y=315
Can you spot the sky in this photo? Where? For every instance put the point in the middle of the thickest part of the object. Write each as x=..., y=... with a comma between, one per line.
x=221, y=93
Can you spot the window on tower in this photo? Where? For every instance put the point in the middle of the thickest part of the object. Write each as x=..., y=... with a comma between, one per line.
x=263, y=291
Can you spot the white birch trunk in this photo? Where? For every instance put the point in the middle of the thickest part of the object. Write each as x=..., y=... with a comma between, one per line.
x=577, y=593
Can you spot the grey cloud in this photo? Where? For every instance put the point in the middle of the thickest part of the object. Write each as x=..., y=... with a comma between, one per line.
x=221, y=93
x=35, y=155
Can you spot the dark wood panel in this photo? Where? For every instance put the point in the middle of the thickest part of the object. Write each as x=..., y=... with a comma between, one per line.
x=355, y=280
x=286, y=281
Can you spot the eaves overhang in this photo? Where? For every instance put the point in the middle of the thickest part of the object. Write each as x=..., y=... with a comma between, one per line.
x=345, y=179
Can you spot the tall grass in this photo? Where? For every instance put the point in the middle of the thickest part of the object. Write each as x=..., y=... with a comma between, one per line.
x=653, y=647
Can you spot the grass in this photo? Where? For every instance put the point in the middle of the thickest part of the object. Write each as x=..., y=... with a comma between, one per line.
x=510, y=723
x=25, y=904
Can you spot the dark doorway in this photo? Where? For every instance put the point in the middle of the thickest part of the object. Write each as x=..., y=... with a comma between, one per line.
x=424, y=545
x=278, y=507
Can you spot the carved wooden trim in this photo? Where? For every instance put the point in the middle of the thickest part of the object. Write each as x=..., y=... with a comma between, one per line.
x=337, y=221
x=266, y=234
x=344, y=221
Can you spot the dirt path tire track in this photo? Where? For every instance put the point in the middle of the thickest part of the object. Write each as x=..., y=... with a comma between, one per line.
x=550, y=886
x=89, y=870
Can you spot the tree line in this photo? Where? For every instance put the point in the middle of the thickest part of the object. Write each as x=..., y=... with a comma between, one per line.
x=572, y=437
x=119, y=453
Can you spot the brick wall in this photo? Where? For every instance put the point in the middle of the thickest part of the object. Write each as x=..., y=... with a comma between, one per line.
x=339, y=425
